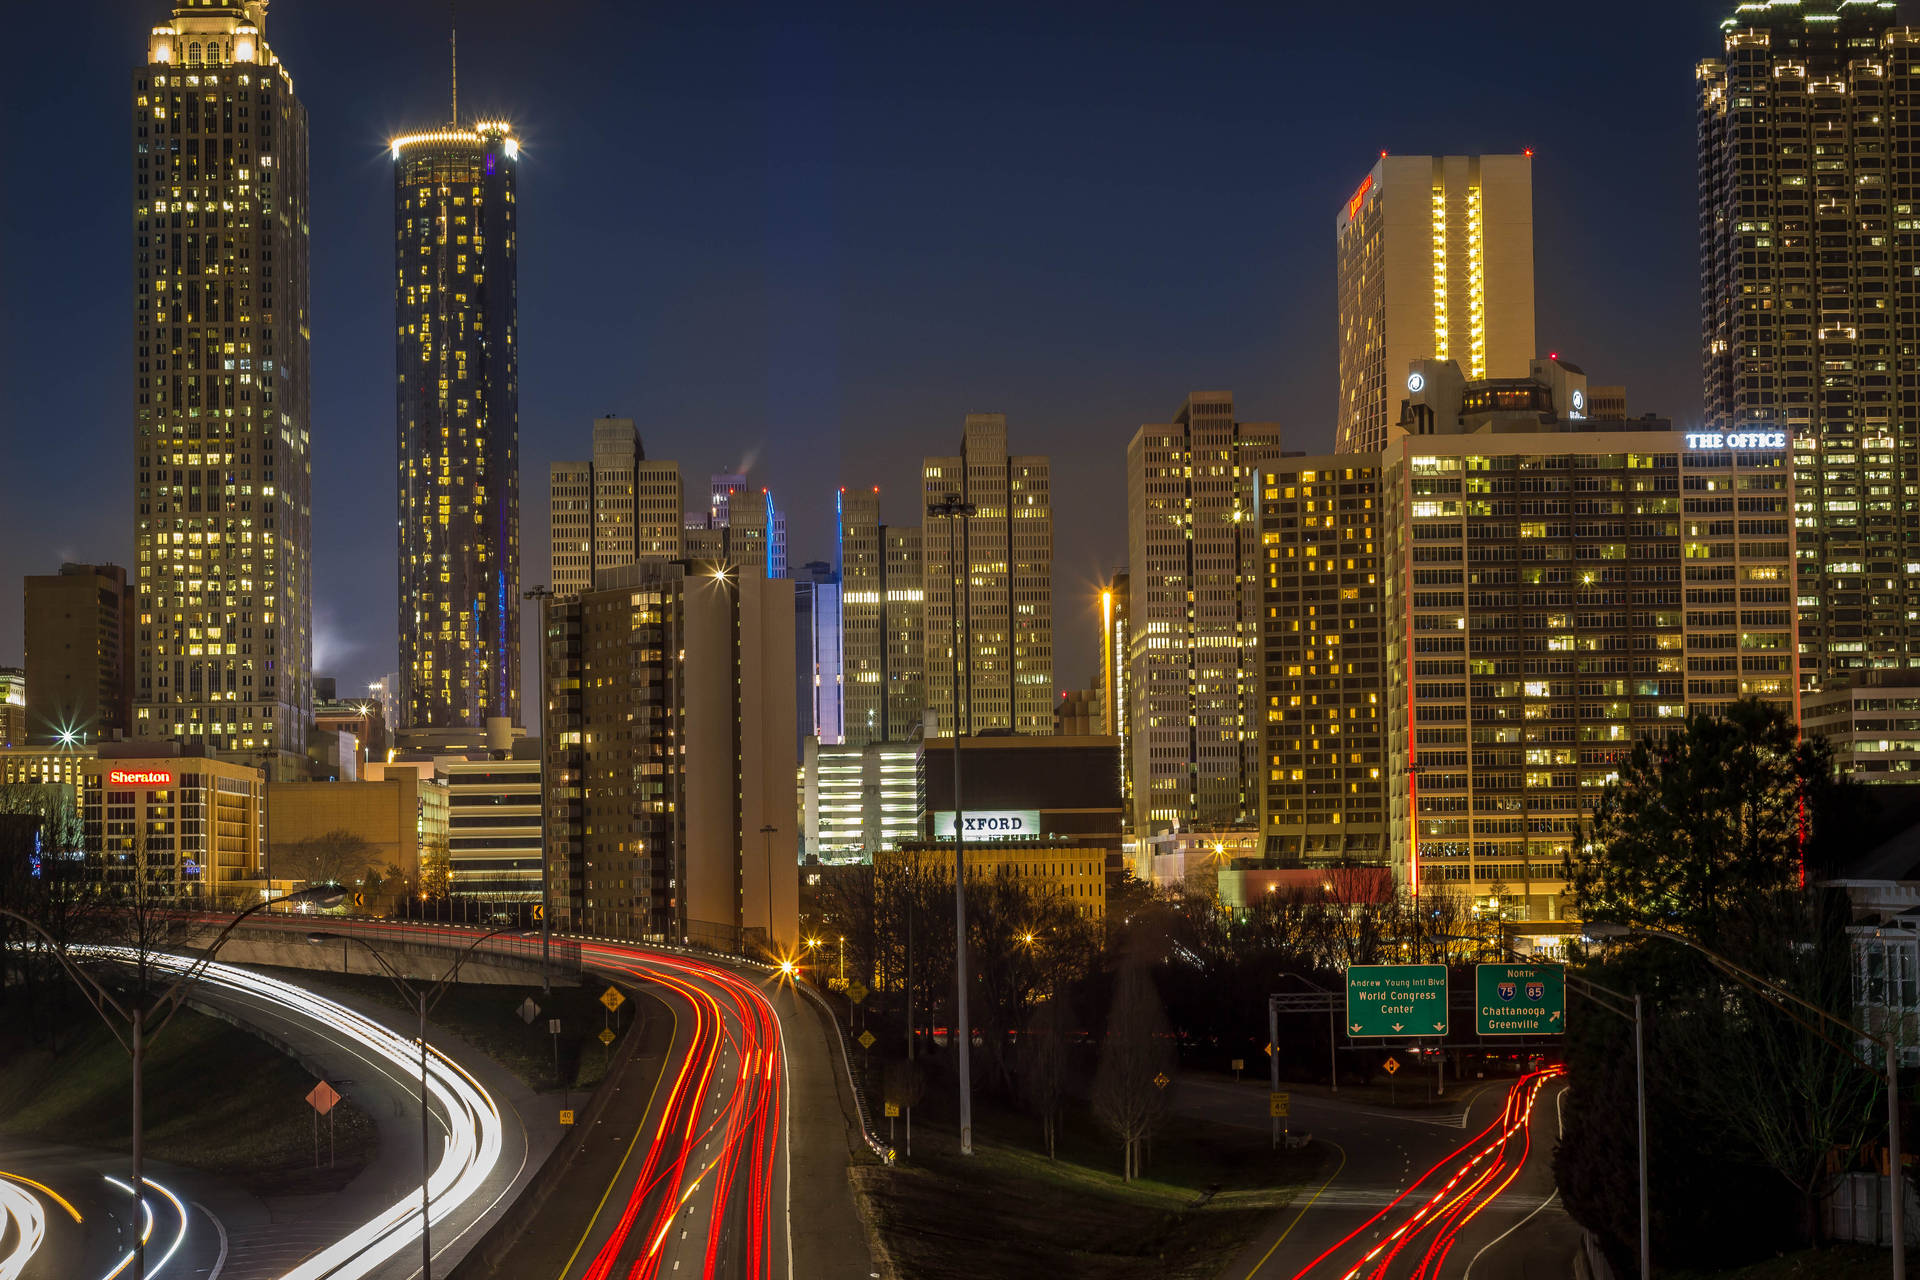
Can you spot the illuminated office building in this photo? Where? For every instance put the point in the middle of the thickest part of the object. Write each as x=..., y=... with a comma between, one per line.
x=1193, y=669
x=1005, y=597
x=612, y=509
x=818, y=656
x=739, y=527
x=222, y=572
x=458, y=417
x=1810, y=306
x=1434, y=261
x=1318, y=601
x=882, y=609
x=1540, y=592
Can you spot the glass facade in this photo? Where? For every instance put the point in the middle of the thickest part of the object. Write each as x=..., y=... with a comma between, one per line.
x=459, y=424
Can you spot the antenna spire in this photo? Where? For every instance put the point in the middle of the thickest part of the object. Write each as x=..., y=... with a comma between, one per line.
x=453, y=44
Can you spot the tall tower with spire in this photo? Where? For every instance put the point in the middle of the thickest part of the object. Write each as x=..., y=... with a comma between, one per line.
x=222, y=646
x=458, y=422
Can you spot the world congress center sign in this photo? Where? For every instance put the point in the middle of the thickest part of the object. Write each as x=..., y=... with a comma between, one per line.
x=990, y=824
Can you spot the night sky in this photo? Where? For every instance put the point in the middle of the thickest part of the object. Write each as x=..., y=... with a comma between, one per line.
x=812, y=237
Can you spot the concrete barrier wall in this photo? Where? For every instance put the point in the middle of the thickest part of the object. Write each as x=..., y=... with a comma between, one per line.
x=293, y=951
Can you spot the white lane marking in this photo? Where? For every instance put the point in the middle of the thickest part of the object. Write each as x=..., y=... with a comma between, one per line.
x=219, y=1263
x=1561, y=1118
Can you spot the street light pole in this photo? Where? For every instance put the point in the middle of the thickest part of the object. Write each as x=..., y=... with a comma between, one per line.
x=137, y=1017
x=543, y=594
x=1896, y=1183
x=423, y=997
x=767, y=831
x=952, y=508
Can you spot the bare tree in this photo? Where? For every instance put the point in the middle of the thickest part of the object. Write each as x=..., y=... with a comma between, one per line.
x=332, y=857
x=436, y=867
x=1047, y=1062
x=1130, y=1087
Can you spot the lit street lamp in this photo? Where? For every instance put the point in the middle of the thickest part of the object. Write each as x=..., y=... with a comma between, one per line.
x=423, y=998
x=954, y=510
x=142, y=1028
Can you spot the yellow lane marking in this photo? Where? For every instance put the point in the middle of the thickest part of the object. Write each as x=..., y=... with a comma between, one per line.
x=1303, y=1208
x=638, y=1130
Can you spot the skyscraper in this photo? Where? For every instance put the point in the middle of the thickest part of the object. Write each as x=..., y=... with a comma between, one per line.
x=1193, y=672
x=680, y=679
x=613, y=509
x=458, y=421
x=1005, y=597
x=820, y=707
x=882, y=608
x=79, y=631
x=1435, y=260
x=1809, y=306
x=223, y=652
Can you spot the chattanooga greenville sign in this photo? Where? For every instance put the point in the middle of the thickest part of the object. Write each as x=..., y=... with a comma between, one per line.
x=990, y=824
x=1736, y=439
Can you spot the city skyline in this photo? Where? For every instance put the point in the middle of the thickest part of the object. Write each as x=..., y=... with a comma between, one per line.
x=1088, y=349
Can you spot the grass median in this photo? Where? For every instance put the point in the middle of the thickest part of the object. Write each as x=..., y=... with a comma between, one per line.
x=1008, y=1211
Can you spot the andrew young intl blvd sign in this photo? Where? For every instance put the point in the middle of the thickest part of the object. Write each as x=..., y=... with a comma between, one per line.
x=1397, y=1000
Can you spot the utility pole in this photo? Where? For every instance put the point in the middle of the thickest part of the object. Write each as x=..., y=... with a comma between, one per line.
x=952, y=508
x=543, y=595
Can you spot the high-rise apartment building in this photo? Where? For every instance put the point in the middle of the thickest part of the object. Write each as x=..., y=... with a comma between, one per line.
x=1005, y=596
x=671, y=720
x=1193, y=670
x=882, y=610
x=1435, y=261
x=79, y=634
x=222, y=508
x=739, y=527
x=458, y=418
x=1809, y=305
x=612, y=509
x=1552, y=589
x=1322, y=638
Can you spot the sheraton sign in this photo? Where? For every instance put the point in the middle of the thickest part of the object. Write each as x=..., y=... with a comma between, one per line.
x=140, y=777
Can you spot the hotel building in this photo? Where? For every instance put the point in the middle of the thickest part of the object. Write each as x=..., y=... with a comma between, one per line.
x=222, y=510
x=1004, y=599
x=1434, y=259
x=1550, y=590
x=1193, y=668
x=458, y=419
x=1809, y=305
x=191, y=825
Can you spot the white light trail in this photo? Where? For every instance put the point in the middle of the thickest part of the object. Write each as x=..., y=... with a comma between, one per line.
x=27, y=1221
x=474, y=1129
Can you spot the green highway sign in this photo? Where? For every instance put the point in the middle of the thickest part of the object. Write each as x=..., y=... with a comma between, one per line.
x=1520, y=999
x=1397, y=1000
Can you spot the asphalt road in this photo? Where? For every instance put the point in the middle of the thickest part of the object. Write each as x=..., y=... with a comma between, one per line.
x=1382, y=1194
x=185, y=1240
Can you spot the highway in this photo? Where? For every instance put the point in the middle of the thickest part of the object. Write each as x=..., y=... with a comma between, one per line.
x=471, y=1135
x=702, y=1188
x=1439, y=1223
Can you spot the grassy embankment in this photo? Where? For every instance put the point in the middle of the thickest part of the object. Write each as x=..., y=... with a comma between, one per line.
x=217, y=1099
